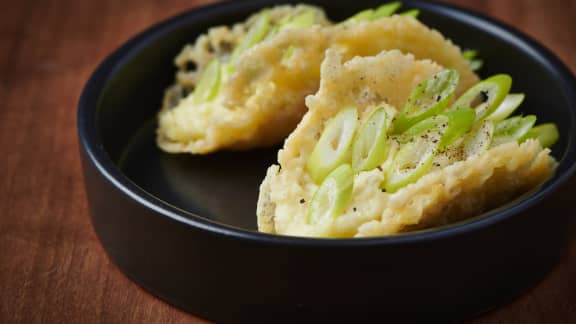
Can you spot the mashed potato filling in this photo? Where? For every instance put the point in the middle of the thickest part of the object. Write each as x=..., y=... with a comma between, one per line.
x=457, y=186
x=261, y=99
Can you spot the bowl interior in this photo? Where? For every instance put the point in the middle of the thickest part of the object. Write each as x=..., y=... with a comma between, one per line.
x=223, y=187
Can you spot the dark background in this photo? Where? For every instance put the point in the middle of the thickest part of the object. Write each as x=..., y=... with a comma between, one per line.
x=52, y=268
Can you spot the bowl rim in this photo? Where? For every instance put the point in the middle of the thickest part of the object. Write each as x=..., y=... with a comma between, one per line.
x=92, y=146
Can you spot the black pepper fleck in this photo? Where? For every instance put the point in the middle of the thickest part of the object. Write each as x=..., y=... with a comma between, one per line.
x=302, y=200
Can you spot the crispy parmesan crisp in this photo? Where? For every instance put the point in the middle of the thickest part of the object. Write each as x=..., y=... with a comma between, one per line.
x=263, y=100
x=465, y=187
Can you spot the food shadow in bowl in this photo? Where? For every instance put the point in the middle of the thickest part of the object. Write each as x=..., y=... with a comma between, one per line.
x=222, y=186
x=183, y=227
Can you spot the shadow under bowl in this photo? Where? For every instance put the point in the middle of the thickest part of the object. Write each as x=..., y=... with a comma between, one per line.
x=184, y=227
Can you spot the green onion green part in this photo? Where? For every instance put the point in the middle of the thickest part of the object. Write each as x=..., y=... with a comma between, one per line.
x=469, y=54
x=385, y=10
x=414, y=13
x=369, y=148
x=209, y=83
x=513, y=129
x=415, y=156
x=547, y=134
x=333, y=196
x=485, y=96
x=460, y=121
x=489, y=93
x=364, y=15
x=434, y=122
x=427, y=99
x=507, y=107
x=255, y=34
x=334, y=146
x=304, y=19
x=475, y=65
x=412, y=161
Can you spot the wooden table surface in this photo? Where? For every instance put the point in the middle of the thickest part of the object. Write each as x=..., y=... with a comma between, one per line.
x=52, y=268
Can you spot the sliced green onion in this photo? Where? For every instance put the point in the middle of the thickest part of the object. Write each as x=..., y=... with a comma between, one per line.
x=460, y=121
x=413, y=160
x=364, y=15
x=369, y=148
x=439, y=122
x=421, y=143
x=427, y=99
x=333, y=195
x=226, y=70
x=334, y=146
x=452, y=124
x=386, y=10
x=209, y=83
x=547, y=134
x=478, y=139
x=469, y=54
x=304, y=19
x=495, y=89
x=507, y=107
x=414, y=13
x=475, y=65
x=255, y=34
x=513, y=129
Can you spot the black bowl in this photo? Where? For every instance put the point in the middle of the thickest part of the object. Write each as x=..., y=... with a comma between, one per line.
x=184, y=227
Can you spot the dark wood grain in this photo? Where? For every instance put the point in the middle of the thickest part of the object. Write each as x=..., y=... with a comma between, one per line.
x=52, y=268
